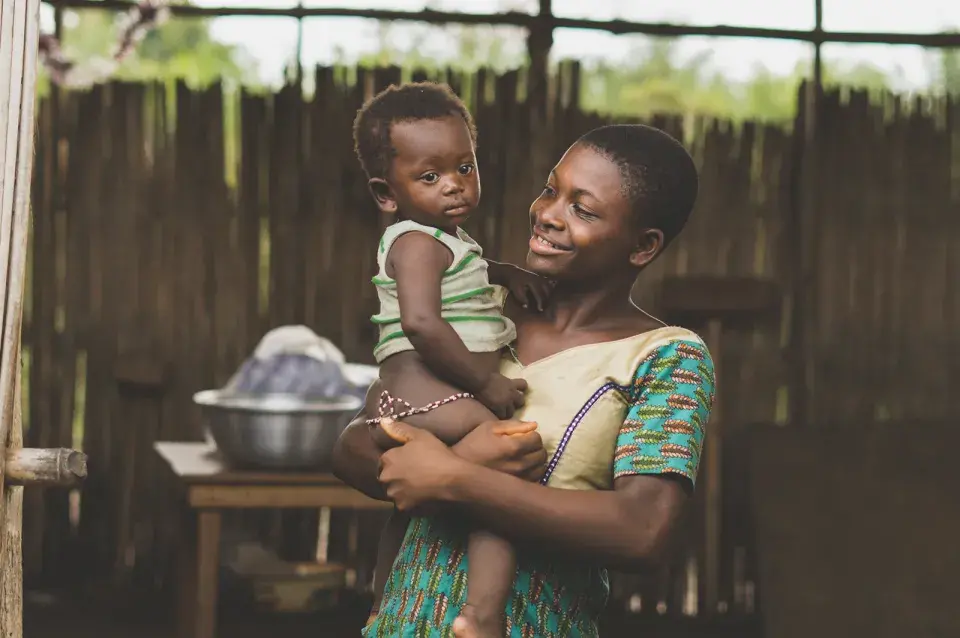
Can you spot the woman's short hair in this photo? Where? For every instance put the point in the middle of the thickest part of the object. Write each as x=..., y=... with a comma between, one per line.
x=658, y=174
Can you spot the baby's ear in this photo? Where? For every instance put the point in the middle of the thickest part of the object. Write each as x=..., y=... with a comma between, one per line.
x=383, y=195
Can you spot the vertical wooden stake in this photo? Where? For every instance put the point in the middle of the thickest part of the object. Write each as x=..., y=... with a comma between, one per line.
x=713, y=448
x=19, y=37
x=11, y=563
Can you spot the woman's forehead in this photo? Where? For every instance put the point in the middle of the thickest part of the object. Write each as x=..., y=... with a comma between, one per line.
x=584, y=169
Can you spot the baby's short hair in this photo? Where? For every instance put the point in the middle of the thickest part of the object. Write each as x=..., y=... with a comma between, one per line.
x=658, y=174
x=404, y=103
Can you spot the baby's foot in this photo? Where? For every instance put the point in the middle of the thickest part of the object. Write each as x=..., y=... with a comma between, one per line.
x=470, y=625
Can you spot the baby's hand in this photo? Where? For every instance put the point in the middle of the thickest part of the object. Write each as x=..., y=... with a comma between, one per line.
x=502, y=395
x=526, y=287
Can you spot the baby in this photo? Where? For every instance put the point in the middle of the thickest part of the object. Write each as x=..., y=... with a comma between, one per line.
x=440, y=320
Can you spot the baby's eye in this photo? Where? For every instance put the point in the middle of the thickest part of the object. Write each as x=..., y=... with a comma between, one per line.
x=466, y=169
x=430, y=178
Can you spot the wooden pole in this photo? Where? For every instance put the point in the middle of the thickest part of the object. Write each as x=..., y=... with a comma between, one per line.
x=518, y=19
x=19, y=37
x=713, y=472
x=539, y=43
x=53, y=468
x=817, y=53
x=800, y=249
x=299, y=62
x=11, y=539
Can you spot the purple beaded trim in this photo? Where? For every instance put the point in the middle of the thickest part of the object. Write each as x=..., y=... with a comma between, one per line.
x=568, y=433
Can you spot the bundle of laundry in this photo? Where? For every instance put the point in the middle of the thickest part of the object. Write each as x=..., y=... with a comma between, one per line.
x=295, y=360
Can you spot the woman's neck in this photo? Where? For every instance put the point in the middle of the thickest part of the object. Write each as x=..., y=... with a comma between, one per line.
x=574, y=307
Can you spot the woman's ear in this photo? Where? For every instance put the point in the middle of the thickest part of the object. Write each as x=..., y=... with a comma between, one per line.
x=649, y=245
x=383, y=195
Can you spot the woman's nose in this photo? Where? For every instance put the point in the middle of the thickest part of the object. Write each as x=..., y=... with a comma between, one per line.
x=550, y=215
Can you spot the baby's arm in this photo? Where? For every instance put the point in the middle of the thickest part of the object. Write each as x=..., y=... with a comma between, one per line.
x=418, y=262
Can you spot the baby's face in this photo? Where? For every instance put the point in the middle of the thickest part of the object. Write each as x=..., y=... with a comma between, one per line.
x=434, y=172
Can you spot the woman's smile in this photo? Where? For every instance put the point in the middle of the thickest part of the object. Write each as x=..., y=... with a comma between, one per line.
x=540, y=245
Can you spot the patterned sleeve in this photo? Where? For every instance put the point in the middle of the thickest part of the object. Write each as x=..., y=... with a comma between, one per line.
x=673, y=393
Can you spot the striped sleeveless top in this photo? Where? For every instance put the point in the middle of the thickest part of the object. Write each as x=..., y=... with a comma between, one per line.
x=470, y=303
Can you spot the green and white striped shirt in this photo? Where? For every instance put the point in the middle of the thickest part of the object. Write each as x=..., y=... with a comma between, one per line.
x=469, y=302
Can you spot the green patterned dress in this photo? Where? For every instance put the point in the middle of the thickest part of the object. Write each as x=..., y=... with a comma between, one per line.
x=666, y=409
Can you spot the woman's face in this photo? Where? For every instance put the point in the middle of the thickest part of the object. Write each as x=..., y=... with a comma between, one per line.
x=583, y=224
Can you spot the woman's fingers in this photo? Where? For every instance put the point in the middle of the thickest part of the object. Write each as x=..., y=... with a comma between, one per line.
x=396, y=430
x=512, y=428
x=534, y=464
x=526, y=442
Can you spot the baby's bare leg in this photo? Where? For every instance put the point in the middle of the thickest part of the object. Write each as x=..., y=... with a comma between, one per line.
x=492, y=563
x=490, y=574
x=459, y=414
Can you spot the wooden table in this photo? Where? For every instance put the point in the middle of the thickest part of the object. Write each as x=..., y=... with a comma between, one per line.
x=211, y=487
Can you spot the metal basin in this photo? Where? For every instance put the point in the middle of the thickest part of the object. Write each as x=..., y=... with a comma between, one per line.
x=276, y=431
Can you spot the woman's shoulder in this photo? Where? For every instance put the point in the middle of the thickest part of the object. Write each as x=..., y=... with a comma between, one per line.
x=658, y=346
x=664, y=335
x=670, y=344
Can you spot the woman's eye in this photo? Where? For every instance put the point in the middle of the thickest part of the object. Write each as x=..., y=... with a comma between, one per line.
x=466, y=169
x=548, y=191
x=430, y=178
x=583, y=212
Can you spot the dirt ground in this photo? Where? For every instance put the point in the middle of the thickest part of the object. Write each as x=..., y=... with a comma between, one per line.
x=49, y=617
x=46, y=618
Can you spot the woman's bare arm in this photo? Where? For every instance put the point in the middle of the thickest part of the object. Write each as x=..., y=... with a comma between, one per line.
x=626, y=528
x=356, y=457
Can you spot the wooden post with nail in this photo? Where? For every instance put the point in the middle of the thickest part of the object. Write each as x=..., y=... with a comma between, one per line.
x=19, y=50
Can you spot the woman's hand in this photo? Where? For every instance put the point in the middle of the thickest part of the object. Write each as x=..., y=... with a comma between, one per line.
x=424, y=470
x=512, y=447
x=419, y=472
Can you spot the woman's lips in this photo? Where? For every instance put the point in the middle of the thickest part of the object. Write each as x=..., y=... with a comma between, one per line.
x=540, y=245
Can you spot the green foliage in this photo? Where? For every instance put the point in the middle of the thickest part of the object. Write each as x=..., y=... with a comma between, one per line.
x=180, y=49
x=654, y=78
x=945, y=70
x=473, y=47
